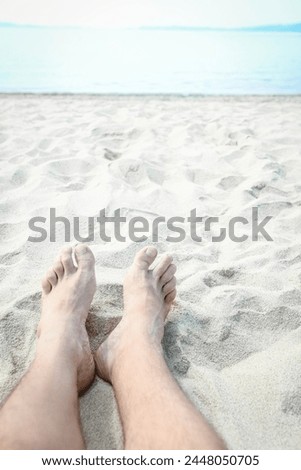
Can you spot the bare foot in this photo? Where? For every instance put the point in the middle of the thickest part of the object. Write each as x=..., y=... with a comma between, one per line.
x=66, y=298
x=148, y=296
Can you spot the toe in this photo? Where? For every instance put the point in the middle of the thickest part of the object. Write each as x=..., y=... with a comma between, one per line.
x=84, y=257
x=145, y=257
x=67, y=261
x=169, y=286
x=171, y=296
x=58, y=269
x=162, y=266
x=168, y=275
x=51, y=277
x=46, y=286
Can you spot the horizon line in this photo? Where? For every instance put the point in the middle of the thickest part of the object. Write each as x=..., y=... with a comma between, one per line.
x=276, y=26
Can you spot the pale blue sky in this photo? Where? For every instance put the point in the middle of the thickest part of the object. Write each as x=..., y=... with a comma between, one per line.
x=116, y=13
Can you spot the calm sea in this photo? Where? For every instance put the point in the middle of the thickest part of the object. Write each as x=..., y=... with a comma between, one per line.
x=143, y=61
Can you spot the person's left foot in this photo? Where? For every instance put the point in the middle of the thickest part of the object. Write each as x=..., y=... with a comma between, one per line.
x=67, y=294
x=148, y=297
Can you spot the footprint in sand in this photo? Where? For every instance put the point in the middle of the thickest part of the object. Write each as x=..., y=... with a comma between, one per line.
x=221, y=277
x=110, y=155
x=278, y=170
x=130, y=170
x=256, y=189
x=241, y=135
x=19, y=177
x=230, y=182
x=68, y=167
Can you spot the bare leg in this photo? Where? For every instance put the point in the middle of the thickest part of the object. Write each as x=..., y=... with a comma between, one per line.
x=155, y=412
x=42, y=412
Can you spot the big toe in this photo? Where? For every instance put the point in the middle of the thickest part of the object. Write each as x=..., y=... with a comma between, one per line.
x=84, y=257
x=145, y=257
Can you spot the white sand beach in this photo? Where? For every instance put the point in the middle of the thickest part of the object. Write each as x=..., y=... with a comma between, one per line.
x=233, y=339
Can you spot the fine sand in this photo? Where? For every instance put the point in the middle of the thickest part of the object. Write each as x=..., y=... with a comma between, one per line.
x=233, y=340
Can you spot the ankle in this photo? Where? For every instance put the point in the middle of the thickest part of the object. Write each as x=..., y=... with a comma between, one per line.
x=62, y=344
x=134, y=356
x=142, y=330
x=133, y=350
x=126, y=345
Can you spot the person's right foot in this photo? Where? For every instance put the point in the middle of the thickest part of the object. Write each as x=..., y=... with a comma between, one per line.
x=148, y=296
x=67, y=294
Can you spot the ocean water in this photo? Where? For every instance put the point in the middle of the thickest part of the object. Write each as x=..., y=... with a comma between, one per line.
x=143, y=61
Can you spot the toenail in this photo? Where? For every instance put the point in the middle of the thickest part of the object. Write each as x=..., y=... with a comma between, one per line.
x=151, y=251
